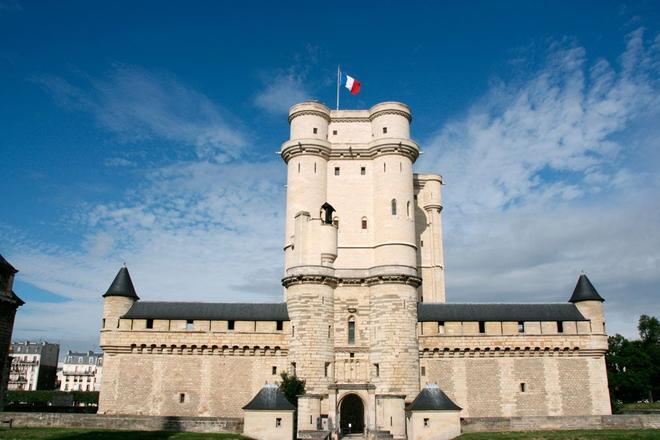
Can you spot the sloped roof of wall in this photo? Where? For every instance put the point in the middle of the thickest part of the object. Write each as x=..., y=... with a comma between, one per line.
x=208, y=311
x=269, y=398
x=432, y=398
x=498, y=312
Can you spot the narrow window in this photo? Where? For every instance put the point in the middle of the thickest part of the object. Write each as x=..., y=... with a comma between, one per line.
x=521, y=327
x=150, y=323
x=351, y=332
x=384, y=130
x=278, y=422
x=482, y=327
x=182, y=397
x=293, y=330
x=274, y=370
x=335, y=222
x=427, y=422
x=421, y=243
x=118, y=323
x=351, y=355
x=231, y=325
x=377, y=370
x=408, y=209
x=189, y=324
x=103, y=323
x=390, y=421
x=316, y=130
x=364, y=223
x=423, y=371
x=314, y=167
x=329, y=331
x=327, y=370
x=384, y=167
x=560, y=327
x=293, y=368
x=523, y=387
x=401, y=167
x=336, y=171
x=279, y=325
x=334, y=132
x=298, y=166
x=393, y=206
x=415, y=197
x=441, y=327
x=363, y=170
x=310, y=419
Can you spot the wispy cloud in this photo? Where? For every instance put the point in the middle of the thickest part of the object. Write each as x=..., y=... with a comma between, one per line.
x=138, y=104
x=541, y=181
x=281, y=92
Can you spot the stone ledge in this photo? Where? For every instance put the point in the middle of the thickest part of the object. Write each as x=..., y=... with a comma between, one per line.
x=617, y=421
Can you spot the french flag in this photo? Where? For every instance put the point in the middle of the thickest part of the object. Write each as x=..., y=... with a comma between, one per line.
x=352, y=84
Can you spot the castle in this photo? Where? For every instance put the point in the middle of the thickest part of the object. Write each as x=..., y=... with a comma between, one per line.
x=364, y=322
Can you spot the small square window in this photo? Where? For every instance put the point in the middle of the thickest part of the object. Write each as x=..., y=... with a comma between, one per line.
x=274, y=370
x=189, y=324
x=560, y=327
x=278, y=422
x=280, y=325
x=415, y=197
x=384, y=130
x=364, y=223
x=352, y=355
x=334, y=132
x=316, y=130
x=423, y=371
x=336, y=171
x=482, y=327
x=441, y=327
x=150, y=323
x=427, y=422
x=363, y=170
x=231, y=325
x=377, y=370
x=421, y=243
x=521, y=327
x=182, y=398
x=523, y=387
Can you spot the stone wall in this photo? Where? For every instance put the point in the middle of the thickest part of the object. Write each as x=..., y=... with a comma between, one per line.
x=137, y=423
x=619, y=421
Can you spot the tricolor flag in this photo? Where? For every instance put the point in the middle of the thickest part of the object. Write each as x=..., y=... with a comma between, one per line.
x=352, y=85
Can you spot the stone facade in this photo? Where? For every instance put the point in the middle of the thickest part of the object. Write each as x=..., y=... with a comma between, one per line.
x=81, y=371
x=34, y=366
x=365, y=323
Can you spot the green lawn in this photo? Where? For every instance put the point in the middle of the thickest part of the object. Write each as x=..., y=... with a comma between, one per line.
x=604, y=434
x=101, y=434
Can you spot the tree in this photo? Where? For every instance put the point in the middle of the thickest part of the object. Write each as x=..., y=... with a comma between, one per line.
x=292, y=387
x=649, y=329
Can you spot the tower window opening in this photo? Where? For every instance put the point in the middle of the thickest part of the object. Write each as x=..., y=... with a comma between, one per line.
x=329, y=331
x=523, y=387
x=441, y=327
x=351, y=332
x=182, y=397
x=279, y=325
x=334, y=132
x=384, y=130
x=421, y=243
x=336, y=171
x=560, y=327
x=335, y=222
x=384, y=167
x=363, y=170
x=103, y=323
x=299, y=167
x=364, y=223
x=150, y=323
x=293, y=330
x=314, y=167
x=423, y=371
x=377, y=370
x=415, y=197
x=482, y=327
x=231, y=325
x=326, y=369
x=278, y=422
x=393, y=206
x=293, y=368
x=189, y=324
x=274, y=370
x=427, y=422
x=351, y=355
x=316, y=130
x=408, y=209
x=401, y=167
x=521, y=326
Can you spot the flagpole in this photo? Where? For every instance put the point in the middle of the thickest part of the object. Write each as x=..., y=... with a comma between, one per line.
x=338, y=83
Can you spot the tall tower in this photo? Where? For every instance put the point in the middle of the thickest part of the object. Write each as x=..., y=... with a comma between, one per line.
x=352, y=265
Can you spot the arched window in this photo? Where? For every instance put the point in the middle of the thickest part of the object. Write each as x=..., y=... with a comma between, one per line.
x=351, y=330
x=393, y=206
x=408, y=209
x=335, y=222
x=364, y=223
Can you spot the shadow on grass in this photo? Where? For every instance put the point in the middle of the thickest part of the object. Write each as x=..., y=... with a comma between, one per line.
x=100, y=434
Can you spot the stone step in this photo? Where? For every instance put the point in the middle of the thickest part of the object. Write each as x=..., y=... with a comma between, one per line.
x=382, y=435
x=313, y=435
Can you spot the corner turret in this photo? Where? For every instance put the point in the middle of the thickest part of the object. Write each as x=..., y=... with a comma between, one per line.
x=118, y=299
x=589, y=303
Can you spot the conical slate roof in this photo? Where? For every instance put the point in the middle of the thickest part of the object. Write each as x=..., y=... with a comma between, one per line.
x=122, y=285
x=270, y=398
x=585, y=291
x=432, y=398
x=5, y=265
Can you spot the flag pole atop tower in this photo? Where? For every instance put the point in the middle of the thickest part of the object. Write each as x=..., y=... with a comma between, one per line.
x=338, y=83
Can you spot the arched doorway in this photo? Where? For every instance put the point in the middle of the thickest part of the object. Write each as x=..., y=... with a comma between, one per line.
x=351, y=415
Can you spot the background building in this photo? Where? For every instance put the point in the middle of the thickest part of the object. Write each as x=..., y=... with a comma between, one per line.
x=81, y=371
x=9, y=302
x=34, y=366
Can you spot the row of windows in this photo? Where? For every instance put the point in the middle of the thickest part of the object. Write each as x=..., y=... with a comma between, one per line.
x=364, y=222
x=231, y=325
x=482, y=327
x=363, y=170
x=315, y=130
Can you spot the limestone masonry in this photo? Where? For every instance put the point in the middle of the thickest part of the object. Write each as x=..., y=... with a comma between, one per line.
x=364, y=321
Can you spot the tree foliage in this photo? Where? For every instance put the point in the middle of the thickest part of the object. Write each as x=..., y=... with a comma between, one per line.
x=292, y=387
x=633, y=367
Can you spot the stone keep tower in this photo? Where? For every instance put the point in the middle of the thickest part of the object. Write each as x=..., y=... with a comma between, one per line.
x=361, y=230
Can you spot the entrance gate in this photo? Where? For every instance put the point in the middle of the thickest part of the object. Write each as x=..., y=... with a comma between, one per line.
x=351, y=415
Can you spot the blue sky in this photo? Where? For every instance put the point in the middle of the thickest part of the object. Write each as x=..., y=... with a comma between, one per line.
x=145, y=133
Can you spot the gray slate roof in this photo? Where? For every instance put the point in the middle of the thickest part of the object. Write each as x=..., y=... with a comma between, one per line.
x=122, y=285
x=585, y=291
x=498, y=312
x=208, y=311
x=5, y=265
x=432, y=398
x=270, y=398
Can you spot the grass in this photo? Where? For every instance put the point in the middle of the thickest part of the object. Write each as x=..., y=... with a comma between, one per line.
x=596, y=434
x=102, y=434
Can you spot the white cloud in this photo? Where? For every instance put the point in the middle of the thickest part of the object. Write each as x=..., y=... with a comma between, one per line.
x=541, y=182
x=137, y=104
x=281, y=92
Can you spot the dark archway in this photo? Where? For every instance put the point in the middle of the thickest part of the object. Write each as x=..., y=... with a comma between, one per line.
x=351, y=415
